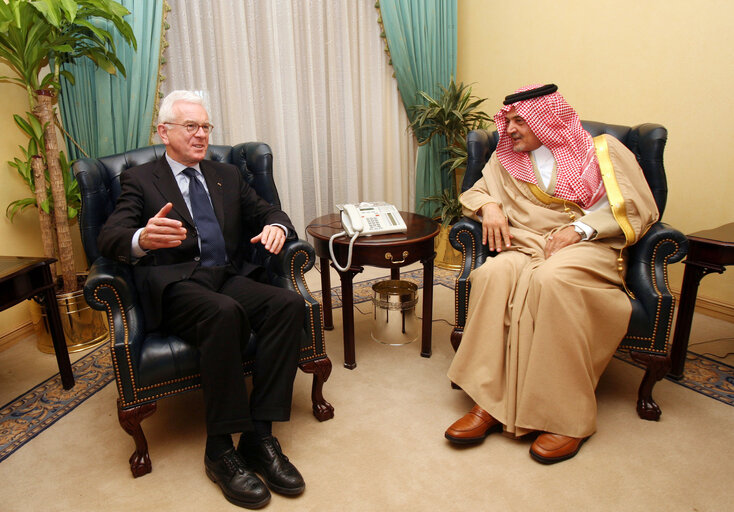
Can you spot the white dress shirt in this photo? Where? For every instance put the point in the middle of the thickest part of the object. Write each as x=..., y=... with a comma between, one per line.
x=183, y=184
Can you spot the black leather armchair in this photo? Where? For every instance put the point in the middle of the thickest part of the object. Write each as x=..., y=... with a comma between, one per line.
x=147, y=365
x=648, y=333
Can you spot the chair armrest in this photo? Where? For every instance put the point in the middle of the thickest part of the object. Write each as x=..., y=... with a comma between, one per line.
x=648, y=259
x=288, y=268
x=466, y=236
x=647, y=263
x=647, y=278
x=110, y=273
x=109, y=287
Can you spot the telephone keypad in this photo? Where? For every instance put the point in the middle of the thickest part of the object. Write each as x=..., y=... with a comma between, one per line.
x=373, y=223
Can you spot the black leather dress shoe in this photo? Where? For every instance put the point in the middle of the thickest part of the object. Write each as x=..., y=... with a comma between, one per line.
x=265, y=456
x=238, y=483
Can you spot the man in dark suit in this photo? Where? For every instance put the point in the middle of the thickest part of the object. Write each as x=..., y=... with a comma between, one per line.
x=180, y=221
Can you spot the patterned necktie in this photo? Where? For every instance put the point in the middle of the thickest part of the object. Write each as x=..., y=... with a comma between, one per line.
x=210, y=234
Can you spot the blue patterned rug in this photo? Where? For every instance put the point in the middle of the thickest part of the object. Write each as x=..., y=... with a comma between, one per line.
x=25, y=417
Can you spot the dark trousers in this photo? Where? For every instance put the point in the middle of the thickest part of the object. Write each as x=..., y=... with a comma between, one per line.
x=217, y=309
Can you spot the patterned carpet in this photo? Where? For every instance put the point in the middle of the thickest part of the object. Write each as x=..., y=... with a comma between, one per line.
x=28, y=415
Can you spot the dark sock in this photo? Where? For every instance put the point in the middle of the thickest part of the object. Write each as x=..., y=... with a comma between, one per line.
x=263, y=428
x=217, y=445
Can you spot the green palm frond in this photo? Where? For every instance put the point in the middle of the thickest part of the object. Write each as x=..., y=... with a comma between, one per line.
x=34, y=33
x=448, y=209
x=452, y=113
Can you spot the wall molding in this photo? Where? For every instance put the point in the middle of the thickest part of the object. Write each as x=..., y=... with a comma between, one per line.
x=710, y=307
x=14, y=336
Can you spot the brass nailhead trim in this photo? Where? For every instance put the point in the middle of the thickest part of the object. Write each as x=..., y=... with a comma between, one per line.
x=310, y=307
x=456, y=285
x=126, y=333
x=651, y=339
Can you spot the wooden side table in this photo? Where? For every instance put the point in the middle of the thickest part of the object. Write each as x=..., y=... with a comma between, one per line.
x=23, y=278
x=384, y=251
x=708, y=251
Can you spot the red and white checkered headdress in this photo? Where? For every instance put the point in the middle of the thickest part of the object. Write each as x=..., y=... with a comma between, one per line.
x=558, y=127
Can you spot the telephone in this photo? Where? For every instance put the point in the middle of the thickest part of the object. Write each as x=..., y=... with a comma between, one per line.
x=366, y=219
x=371, y=219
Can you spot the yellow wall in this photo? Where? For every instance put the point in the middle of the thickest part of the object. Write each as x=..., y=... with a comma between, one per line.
x=626, y=62
x=22, y=237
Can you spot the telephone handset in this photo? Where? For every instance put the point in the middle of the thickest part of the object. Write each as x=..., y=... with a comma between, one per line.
x=366, y=219
x=351, y=220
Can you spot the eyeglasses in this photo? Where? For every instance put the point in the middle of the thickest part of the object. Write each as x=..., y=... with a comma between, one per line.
x=192, y=127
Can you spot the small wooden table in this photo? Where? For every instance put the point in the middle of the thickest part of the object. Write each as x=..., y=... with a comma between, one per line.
x=384, y=251
x=22, y=278
x=708, y=251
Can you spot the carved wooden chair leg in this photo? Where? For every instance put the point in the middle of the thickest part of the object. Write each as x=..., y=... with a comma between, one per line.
x=130, y=421
x=658, y=367
x=321, y=369
x=456, y=335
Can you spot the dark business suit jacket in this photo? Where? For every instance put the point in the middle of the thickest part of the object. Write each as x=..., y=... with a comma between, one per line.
x=146, y=189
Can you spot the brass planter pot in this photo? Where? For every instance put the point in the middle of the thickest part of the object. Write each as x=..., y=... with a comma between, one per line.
x=446, y=256
x=84, y=327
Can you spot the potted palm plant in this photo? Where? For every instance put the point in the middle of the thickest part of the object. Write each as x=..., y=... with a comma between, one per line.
x=451, y=114
x=36, y=39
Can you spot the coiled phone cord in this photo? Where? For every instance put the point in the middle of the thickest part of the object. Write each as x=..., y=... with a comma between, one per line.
x=349, y=254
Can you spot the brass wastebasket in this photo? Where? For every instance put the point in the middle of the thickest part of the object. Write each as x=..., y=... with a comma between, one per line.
x=84, y=327
x=394, y=321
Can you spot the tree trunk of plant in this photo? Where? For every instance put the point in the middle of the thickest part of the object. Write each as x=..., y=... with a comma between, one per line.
x=44, y=112
x=47, y=233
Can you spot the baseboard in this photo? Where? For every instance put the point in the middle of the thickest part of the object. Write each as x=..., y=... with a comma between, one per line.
x=13, y=337
x=715, y=309
x=711, y=307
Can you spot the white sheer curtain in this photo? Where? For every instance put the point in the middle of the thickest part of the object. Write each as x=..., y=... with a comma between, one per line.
x=311, y=79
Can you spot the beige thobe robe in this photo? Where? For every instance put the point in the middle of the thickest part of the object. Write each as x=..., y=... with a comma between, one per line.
x=539, y=331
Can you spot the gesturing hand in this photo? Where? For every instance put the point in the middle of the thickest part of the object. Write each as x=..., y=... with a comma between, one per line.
x=495, y=230
x=560, y=239
x=272, y=237
x=161, y=232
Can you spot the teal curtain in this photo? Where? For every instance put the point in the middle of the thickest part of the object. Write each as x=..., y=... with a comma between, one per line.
x=107, y=114
x=422, y=39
